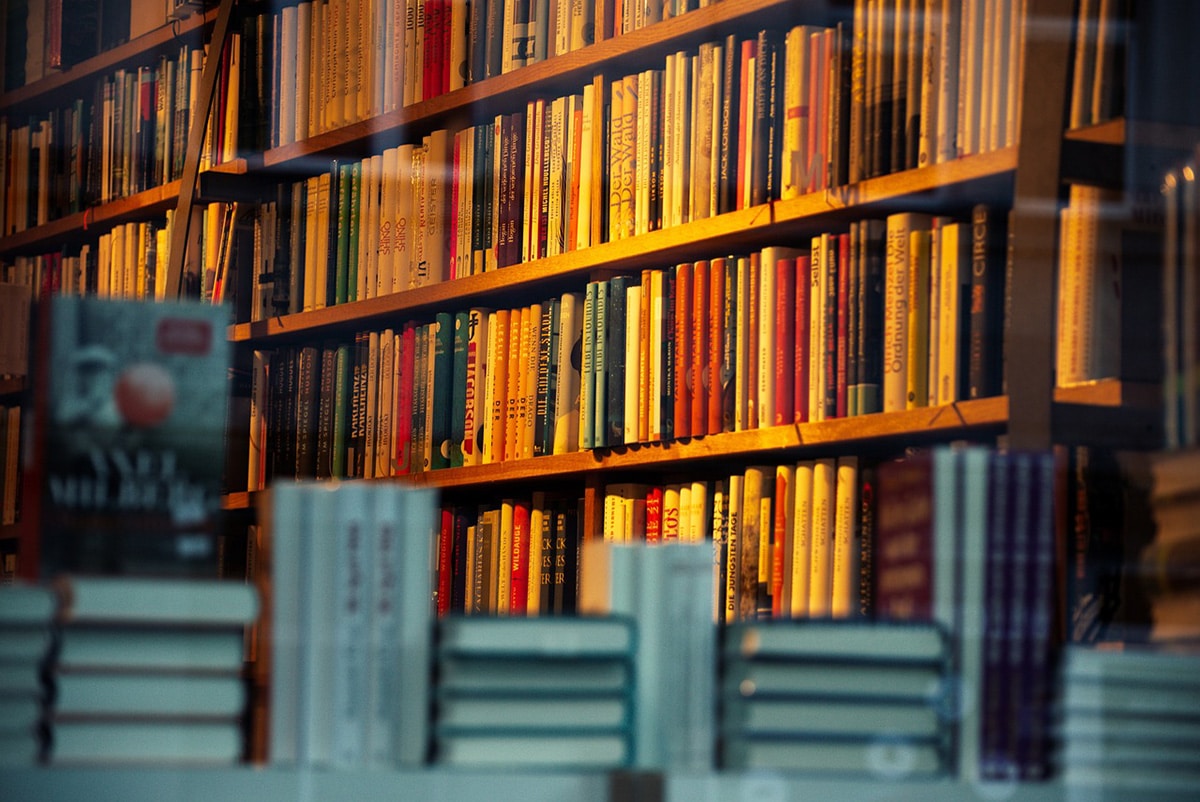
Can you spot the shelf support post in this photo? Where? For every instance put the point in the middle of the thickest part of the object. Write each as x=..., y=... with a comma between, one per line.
x=195, y=143
x=1033, y=225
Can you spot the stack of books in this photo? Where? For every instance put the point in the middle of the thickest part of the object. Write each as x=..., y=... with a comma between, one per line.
x=1130, y=718
x=26, y=620
x=534, y=692
x=351, y=623
x=836, y=699
x=149, y=671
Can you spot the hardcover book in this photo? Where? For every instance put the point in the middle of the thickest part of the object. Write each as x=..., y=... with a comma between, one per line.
x=126, y=465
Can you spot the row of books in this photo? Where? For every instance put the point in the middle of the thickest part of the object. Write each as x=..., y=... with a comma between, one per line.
x=126, y=135
x=788, y=541
x=965, y=537
x=129, y=261
x=351, y=624
x=42, y=39
x=777, y=337
x=837, y=700
x=1088, y=316
x=520, y=557
x=407, y=52
x=623, y=156
x=120, y=670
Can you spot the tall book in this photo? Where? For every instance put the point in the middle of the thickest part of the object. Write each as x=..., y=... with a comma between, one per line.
x=895, y=306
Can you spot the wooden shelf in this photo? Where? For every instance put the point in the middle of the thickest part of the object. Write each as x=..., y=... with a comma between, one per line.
x=43, y=92
x=151, y=202
x=1110, y=411
x=12, y=386
x=277, y=784
x=779, y=222
x=779, y=443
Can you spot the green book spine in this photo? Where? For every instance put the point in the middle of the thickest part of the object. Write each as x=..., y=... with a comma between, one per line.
x=341, y=410
x=354, y=228
x=343, y=234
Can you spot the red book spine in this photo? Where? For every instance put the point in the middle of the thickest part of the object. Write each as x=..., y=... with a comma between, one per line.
x=745, y=114
x=803, y=287
x=716, y=342
x=683, y=354
x=843, y=321
x=445, y=565
x=654, y=513
x=755, y=307
x=518, y=597
x=785, y=335
x=903, y=559
x=778, y=536
x=700, y=347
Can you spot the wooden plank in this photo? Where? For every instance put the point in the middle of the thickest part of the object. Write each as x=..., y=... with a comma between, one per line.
x=1033, y=224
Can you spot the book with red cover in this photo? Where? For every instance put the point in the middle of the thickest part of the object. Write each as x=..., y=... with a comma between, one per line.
x=519, y=594
x=903, y=558
x=785, y=337
x=444, y=581
x=843, y=325
x=682, y=418
x=716, y=344
x=700, y=352
x=654, y=514
x=802, y=282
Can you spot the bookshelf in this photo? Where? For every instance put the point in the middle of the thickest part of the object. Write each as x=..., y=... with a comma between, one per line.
x=1028, y=178
x=270, y=785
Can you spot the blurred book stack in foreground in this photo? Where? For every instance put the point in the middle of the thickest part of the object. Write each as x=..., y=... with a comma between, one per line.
x=1130, y=718
x=836, y=699
x=26, y=621
x=1169, y=566
x=545, y=692
x=149, y=671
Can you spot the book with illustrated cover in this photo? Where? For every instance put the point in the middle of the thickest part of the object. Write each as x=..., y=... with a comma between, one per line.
x=128, y=453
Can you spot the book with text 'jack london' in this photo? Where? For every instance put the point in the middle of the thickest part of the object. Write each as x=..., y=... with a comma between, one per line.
x=125, y=469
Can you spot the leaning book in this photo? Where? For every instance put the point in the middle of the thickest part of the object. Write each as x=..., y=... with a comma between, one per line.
x=129, y=444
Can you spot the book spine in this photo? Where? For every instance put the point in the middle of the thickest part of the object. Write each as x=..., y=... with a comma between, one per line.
x=783, y=356
x=587, y=391
x=801, y=315
x=700, y=346
x=844, y=563
x=752, y=568
x=351, y=634
x=615, y=359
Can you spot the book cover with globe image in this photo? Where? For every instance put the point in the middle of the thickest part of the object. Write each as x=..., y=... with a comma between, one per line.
x=133, y=405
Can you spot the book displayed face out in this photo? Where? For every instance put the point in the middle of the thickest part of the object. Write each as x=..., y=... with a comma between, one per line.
x=134, y=441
